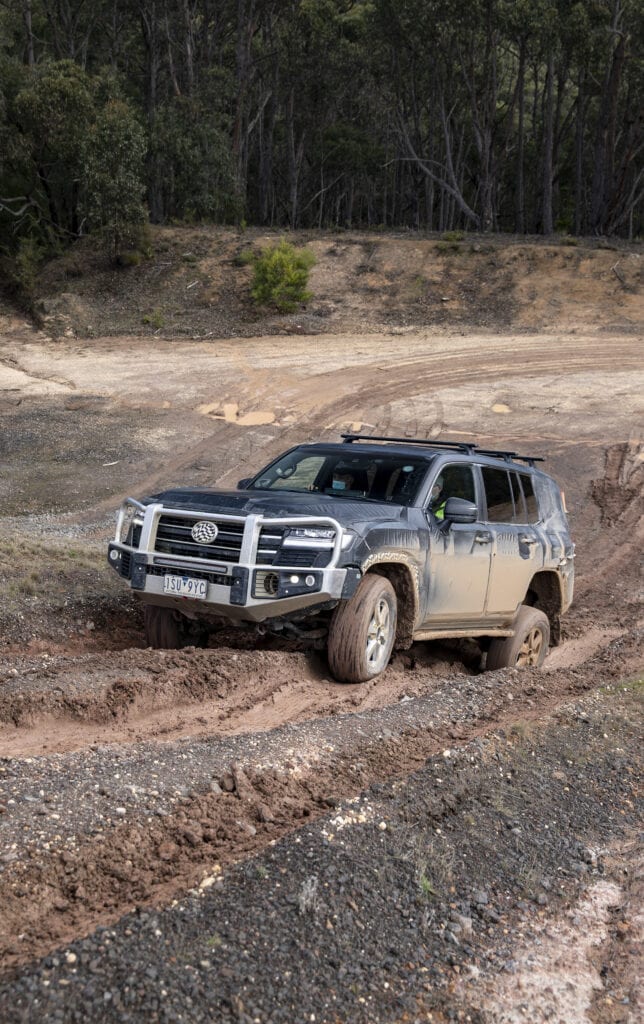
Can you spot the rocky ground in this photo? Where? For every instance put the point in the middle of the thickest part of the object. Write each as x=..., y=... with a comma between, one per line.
x=227, y=834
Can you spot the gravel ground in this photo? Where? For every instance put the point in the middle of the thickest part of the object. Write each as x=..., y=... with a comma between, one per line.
x=380, y=906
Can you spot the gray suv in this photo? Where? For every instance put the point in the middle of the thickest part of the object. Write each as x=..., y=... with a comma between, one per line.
x=366, y=545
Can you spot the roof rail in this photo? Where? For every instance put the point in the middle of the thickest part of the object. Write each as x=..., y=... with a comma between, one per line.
x=468, y=447
x=509, y=456
x=458, y=446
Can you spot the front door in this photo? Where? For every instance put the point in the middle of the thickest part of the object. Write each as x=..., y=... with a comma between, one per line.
x=459, y=554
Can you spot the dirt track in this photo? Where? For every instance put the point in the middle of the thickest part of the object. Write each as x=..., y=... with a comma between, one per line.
x=82, y=704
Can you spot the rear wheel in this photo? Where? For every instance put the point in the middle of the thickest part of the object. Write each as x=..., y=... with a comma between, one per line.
x=527, y=648
x=362, y=632
x=163, y=628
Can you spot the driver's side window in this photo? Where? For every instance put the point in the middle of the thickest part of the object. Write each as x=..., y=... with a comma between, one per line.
x=456, y=481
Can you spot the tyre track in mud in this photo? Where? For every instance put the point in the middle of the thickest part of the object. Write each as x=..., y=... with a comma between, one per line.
x=59, y=704
x=64, y=702
x=138, y=825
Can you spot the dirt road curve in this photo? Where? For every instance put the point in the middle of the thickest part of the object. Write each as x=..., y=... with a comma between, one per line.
x=283, y=847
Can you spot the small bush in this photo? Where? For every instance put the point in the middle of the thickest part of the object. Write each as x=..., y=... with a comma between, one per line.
x=453, y=236
x=129, y=258
x=155, y=319
x=568, y=240
x=24, y=268
x=447, y=247
x=245, y=258
x=280, y=277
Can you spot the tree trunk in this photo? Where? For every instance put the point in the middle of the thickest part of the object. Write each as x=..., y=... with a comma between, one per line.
x=519, y=195
x=26, y=17
x=245, y=31
x=295, y=157
x=547, y=226
x=604, y=151
x=579, y=218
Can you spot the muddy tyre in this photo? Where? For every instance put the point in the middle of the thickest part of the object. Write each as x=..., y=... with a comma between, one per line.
x=163, y=628
x=362, y=632
x=527, y=648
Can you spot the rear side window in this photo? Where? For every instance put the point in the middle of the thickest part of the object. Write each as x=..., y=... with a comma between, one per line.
x=532, y=508
x=519, y=511
x=498, y=495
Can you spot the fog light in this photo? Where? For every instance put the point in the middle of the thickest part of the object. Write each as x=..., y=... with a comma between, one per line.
x=294, y=579
x=310, y=581
x=271, y=583
x=114, y=555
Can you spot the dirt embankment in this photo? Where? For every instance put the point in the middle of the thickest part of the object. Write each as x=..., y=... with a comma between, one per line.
x=196, y=285
x=268, y=834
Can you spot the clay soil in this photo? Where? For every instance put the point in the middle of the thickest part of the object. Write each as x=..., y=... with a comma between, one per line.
x=226, y=834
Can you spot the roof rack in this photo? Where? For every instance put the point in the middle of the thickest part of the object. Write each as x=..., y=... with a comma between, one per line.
x=509, y=456
x=459, y=446
x=468, y=447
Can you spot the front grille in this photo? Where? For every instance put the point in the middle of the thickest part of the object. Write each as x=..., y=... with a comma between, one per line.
x=270, y=540
x=212, y=577
x=126, y=564
x=174, y=538
x=304, y=558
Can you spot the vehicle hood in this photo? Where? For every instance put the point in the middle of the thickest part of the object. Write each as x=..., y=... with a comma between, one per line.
x=344, y=510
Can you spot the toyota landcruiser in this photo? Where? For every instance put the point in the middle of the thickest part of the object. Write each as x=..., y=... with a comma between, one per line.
x=367, y=544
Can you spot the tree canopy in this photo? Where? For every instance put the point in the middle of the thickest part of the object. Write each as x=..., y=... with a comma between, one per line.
x=495, y=115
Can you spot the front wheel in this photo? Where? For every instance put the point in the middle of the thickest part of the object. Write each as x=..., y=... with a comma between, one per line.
x=527, y=648
x=163, y=628
x=362, y=632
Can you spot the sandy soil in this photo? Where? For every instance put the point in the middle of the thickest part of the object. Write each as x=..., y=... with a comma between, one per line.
x=86, y=421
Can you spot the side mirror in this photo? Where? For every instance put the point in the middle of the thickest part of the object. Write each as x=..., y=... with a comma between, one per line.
x=243, y=484
x=458, y=510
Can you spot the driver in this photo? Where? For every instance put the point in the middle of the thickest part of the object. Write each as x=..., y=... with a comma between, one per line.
x=438, y=499
x=342, y=480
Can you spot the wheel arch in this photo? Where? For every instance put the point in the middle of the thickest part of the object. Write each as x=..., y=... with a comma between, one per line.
x=404, y=580
x=545, y=593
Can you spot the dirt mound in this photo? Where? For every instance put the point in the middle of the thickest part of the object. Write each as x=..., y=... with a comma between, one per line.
x=197, y=286
x=619, y=492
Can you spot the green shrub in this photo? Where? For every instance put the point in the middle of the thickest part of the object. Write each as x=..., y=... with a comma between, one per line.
x=453, y=236
x=245, y=258
x=23, y=270
x=154, y=319
x=280, y=277
x=446, y=247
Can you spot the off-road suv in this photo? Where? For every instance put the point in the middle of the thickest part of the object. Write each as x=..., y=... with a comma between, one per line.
x=370, y=544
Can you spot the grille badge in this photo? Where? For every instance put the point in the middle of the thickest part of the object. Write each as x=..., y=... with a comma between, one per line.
x=204, y=532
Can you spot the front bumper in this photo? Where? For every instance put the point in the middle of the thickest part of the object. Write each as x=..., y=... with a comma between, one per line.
x=243, y=590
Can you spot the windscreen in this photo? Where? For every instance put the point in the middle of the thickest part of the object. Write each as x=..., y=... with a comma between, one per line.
x=360, y=476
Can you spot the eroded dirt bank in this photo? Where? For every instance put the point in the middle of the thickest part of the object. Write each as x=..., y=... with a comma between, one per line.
x=430, y=846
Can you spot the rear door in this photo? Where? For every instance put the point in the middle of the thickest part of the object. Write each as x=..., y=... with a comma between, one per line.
x=517, y=550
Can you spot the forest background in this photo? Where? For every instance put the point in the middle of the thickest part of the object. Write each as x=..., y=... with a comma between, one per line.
x=523, y=116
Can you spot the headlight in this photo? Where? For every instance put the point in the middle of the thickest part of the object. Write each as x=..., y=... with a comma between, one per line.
x=312, y=533
x=129, y=526
x=309, y=537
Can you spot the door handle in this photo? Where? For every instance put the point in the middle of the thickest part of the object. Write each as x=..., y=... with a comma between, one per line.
x=483, y=538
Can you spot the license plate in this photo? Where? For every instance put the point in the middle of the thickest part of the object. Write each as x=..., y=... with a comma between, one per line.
x=185, y=586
